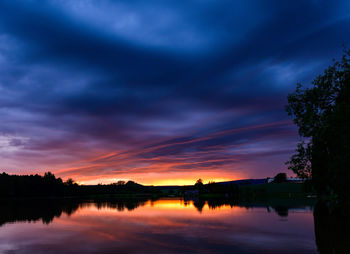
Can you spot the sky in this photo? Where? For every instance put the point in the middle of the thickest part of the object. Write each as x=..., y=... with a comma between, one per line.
x=159, y=91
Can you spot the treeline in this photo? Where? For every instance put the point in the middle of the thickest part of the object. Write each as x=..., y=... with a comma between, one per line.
x=51, y=186
x=230, y=190
x=279, y=187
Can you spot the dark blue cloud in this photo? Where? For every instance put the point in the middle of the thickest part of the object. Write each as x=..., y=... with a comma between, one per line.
x=83, y=78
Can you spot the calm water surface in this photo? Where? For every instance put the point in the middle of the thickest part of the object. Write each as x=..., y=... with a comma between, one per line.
x=161, y=226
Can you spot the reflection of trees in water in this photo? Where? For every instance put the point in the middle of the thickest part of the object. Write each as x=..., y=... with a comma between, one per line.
x=332, y=227
x=48, y=209
x=199, y=204
x=121, y=204
x=281, y=210
x=35, y=210
x=217, y=203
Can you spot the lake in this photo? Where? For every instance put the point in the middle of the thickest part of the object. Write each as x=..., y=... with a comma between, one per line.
x=169, y=225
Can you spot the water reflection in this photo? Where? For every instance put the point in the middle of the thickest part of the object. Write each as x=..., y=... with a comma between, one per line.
x=35, y=210
x=32, y=210
x=163, y=226
x=332, y=229
x=48, y=209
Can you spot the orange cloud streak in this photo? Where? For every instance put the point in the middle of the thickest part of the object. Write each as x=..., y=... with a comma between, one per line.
x=211, y=165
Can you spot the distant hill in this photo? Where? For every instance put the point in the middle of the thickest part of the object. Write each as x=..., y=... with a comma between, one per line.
x=169, y=188
x=246, y=181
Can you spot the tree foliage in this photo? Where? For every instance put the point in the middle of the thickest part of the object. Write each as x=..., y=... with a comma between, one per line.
x=50, y=186
x=300, y=163
x=280, y=178
x=322, y=114
x=199, y=182
x=199, y=185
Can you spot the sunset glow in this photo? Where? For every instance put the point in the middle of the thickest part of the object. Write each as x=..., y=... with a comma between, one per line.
x=158, y=93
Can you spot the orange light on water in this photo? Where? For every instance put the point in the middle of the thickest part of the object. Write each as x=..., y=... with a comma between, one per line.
x=170, y=206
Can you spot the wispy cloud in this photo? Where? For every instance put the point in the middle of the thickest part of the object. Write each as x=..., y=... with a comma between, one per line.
x=159, y=90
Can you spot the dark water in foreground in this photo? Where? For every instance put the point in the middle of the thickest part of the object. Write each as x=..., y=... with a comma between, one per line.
x=161, y=226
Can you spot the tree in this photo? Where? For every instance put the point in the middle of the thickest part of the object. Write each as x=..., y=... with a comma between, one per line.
x=300, y=163
x=120, y=182
x=199, y=183
x=49, y=176
x=69, y=182
x=322, y=114
x=280, y=178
